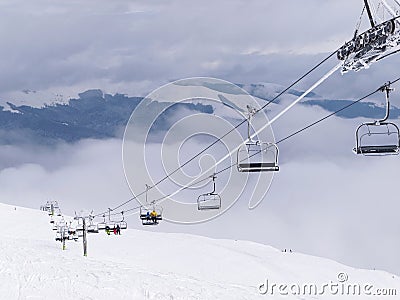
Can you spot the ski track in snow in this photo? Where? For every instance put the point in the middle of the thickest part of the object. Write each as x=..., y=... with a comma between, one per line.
x=148, y=265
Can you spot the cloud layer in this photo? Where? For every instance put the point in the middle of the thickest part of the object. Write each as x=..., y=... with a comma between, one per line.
x=133, y=46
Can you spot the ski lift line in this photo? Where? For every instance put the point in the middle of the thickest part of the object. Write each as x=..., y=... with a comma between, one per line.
x=170, y=195
x=280, y=141
x=230, y=131
x=326, y=117
x=335, y=112
x=315, y=85
x=327, y=75
x=291, y=135
x=154, y=201
x=382, y=57
x=144, y=192
x=320, y=120
x=307, y=127
x=244, y=121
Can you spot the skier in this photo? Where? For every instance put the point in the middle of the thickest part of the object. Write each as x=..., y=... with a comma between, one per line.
x=115, y=230
x=118, y=230
x=108, y=230
x=153, y=215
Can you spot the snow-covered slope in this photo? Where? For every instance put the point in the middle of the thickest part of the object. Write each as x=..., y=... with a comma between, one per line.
x=148, y=265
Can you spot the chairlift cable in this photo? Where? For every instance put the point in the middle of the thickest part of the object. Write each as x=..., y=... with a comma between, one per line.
x=359, y=22
x=319, y=121
x=230, y=131
x=159, y=199
x=335, y=112
x=280, y=141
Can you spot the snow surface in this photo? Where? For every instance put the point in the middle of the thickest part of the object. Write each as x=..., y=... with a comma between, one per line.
x=148, y=265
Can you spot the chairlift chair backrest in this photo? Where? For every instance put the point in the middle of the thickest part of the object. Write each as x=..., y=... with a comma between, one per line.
x=210, y=200
x=151, y=213
x=369, y=139
x=79, y=225
x=123, y=224
x=102, y=225
x=258, y=157
x=92, y=228
x=369, y=135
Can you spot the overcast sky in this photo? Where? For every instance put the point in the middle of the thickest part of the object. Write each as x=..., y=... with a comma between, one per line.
x=337, y=206
x=131, y=47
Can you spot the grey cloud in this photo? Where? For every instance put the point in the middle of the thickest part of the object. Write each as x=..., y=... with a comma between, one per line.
x=107, y=43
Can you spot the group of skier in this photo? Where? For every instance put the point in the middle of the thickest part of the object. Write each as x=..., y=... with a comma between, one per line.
x=116, y=230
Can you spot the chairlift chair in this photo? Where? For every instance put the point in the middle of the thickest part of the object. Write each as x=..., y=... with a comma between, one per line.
x=110, y=223
x=62, y=233
x=73, y=237
x=79, y=230
x=369, y=135
x=92, y=228
x=257, y=156
x=147, y=211
x=47, y=207
x=145, y=215
x=71, y=230
x=61, y=225
x=210, y=200
x=123, y=224
x=102, y=225
x=58, y=237
x=79, y=225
